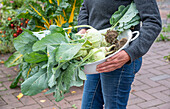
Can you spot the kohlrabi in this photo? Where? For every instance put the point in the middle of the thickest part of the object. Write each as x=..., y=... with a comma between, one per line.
x=94, y=36
x=100, y=53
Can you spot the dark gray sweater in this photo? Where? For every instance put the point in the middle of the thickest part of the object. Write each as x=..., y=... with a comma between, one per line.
x=97, y=13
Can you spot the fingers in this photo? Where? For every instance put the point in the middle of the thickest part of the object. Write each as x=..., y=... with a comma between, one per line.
x=113, y=57
x=108, y=68
x=107, y=63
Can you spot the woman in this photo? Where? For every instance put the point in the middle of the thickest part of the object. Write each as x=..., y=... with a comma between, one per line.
x=111, y=87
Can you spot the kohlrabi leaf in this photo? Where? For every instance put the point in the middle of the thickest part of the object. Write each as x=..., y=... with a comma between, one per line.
x=125, y=17
x=16, y=80
x=64, y=82
x=51, y=53
x=118, y=15
x=35, y=57
x=67, y=51
x=14, y=59
x=130, y=13
x=55, y=38
x=24, y=42
x=35, y=84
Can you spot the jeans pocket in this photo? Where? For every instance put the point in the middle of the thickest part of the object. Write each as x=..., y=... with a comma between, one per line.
x=137, y=65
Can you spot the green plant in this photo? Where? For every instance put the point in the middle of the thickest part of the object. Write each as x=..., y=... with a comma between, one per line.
x=10, y=27
x=164, y=36
x=51, y=12
x=167, y=57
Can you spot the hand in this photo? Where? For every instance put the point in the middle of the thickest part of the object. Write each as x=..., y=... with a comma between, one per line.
x=82, y=31
x=114, y=62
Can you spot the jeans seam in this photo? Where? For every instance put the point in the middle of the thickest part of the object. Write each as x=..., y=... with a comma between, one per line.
x=94, y=94
x=119, y=84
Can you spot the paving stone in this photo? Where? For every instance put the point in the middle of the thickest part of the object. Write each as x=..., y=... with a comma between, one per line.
x=51, y=107
x=141, y=87
x=2, y=102
x=62, y=104
x=2, y=75
x=16, y=105
x=132, y=96
x=135, y=101
x=155, y=72
x=163, y=67
x=6, y=107
x=133, y=107
x=149, y=82
x=9, y=98
x=143, y=71
x=144, y=95
x=76, y=89
x=38, y=95
x=44, y=102
x=164, y=13
x=26, y=100
x=149, y=75
x=35, y=106
x=8, y=71
x=150, y=103
x=2, y=89
x=167, y=92
x=150, y=66
x=162, y=96
x=76, y=97
x=76, y=103
x=167, y=71
x=165, y=83
x=156, y=61
x=137, y=82
x=164, y=106
x=7, y=84
x=160, y=77
x=156, y=89
x=50, y=97
x=153, y=108
x=10, y=91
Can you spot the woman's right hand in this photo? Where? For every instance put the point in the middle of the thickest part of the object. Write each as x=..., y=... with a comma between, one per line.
x=82, y=31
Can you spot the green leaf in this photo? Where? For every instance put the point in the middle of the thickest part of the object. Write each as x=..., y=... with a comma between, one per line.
x=52, y=81
x=24, y=42
x=35, y=84
x=118, y=15
x=64, y=82
x=55, y=38
x=67, y=51
x=16, y=80
x=51, y=51
x=130, y=13
x=125, y=17
x=35, y=57
x=14, y=60
x=56, y=29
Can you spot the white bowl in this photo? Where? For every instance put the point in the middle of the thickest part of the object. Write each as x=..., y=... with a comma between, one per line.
x=91, y=67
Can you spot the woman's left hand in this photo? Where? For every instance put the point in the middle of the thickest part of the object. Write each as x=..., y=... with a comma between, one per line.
x=114, y=62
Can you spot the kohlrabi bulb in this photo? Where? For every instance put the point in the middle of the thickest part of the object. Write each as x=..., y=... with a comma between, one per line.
x=94, y=36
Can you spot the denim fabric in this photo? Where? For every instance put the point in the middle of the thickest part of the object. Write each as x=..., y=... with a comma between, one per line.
x=110, y=89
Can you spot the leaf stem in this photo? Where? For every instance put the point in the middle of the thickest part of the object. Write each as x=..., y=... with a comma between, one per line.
x=88, y=26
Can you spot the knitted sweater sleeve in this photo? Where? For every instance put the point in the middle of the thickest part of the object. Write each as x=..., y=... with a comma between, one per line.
x=83, y=16
x=151, y=27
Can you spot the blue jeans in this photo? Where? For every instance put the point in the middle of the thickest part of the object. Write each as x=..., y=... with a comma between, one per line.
x=110, y=89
